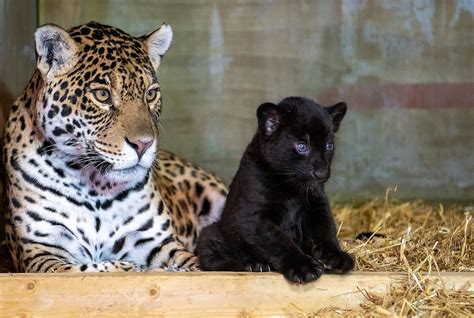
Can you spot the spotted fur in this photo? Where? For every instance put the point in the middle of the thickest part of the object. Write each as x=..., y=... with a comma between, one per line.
x=86, y=188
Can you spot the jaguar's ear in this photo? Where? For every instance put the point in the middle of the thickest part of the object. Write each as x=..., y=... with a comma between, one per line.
x=269, y=118
x=337, y=113
x=157, y=43
x=57, y=51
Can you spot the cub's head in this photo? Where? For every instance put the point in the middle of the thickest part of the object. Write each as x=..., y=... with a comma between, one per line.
x=101, y=99
x=296, y=140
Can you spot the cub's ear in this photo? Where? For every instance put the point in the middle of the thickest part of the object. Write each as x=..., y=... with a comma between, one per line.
x=337, y=113
x=57, y=51
x=269, y=118
x=157, y=43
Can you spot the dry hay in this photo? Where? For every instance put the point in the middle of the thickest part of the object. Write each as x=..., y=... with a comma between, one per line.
x=430, y=299
x=418, y=239
x=407, y=235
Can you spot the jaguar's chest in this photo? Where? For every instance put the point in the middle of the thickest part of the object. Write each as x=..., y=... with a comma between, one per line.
x=98, y=233
x=60, y=207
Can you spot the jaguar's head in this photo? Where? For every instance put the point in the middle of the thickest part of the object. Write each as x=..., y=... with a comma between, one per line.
x=101, y=99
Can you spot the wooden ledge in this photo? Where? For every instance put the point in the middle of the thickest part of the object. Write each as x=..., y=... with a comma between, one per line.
x=187, y=294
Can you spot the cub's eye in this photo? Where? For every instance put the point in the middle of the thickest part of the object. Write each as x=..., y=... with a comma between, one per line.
x=151, y=95
x=329, y=146
x=102, y=95
x=302, y=148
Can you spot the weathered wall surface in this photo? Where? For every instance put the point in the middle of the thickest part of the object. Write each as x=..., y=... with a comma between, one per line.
x=17, y=60
x=17, y=52
x=406, y=69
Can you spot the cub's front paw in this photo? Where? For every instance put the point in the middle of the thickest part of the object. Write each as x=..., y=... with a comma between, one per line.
x=258, y=267
x=303, y=270
x=339, y=261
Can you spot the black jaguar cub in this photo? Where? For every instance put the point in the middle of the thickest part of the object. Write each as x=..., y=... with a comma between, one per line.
x=277, y=216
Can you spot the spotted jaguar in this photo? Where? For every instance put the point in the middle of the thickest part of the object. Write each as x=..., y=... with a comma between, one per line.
x=87, y=188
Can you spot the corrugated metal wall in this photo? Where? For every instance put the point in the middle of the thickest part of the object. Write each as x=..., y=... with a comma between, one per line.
x=406, y=69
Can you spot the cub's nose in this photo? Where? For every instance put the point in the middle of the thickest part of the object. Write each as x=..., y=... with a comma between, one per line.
x=320, y=175
x=140, y=145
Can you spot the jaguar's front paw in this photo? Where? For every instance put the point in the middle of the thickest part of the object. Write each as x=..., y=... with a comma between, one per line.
x=340, y=262
x=303, y=270
x=176, y=268
x=183, y=261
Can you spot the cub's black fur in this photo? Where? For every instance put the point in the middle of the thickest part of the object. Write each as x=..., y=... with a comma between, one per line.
x=277, y=216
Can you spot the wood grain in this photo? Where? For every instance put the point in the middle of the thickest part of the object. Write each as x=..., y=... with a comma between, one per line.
x=186, y=294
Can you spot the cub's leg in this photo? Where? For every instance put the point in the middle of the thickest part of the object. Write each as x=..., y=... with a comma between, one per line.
x=214, y=253
x=324, y=236
x=284, y=255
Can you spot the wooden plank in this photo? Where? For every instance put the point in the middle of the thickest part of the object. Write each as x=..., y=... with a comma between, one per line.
x=187, y=294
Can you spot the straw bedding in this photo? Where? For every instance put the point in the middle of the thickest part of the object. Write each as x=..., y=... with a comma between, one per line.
x=418, y=239
x=409, y=235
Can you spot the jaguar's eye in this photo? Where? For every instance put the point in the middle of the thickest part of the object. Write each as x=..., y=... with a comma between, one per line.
x=102, y=95
x=301, y=148
x=151, y=95
x=330, y=146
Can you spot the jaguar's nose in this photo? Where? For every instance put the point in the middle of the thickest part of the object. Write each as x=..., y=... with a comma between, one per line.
x=140, y=145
